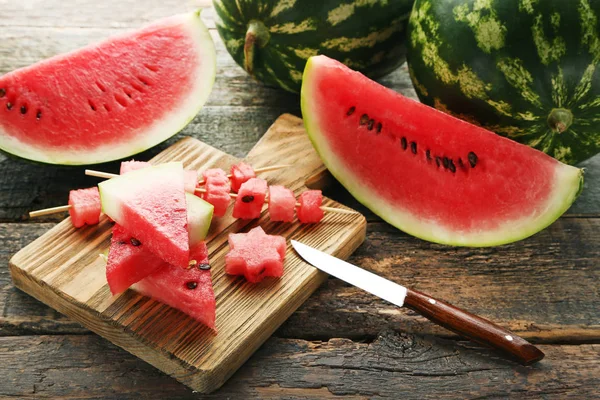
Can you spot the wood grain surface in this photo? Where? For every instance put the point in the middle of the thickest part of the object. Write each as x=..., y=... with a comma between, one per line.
x=545, y=288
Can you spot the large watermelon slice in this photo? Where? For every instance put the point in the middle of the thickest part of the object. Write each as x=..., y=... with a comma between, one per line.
x=425, y=172
x=188, y=290
x=112, y=99
x=150, y=204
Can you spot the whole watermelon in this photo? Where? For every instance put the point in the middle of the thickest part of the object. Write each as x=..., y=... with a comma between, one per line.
x=272, y=39
x=526, y=69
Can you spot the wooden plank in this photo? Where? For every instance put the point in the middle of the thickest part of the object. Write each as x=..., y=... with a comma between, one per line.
x=62, y=269
x=526, y=286
x=393, y=365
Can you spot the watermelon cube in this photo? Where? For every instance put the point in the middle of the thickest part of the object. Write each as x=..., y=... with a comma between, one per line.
x=282, y=204
x=241, y=173
x=188, y=290
x=250, y=199
x=128, y=166
x=255, y=255
x=217, y=188
x=85, y=207
x=310, y=210
x=150, y=204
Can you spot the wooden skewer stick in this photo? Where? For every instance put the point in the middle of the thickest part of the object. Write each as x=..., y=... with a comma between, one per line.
x=324, y=208
x=100, y=174
x=47, y=211
x=257, y=170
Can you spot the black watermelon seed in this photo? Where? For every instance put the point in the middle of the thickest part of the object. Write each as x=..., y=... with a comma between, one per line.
x=364, y=119
x=379, y=126
x=191, y=285
x=38, y=115
x=451, y=166
x=204, y=267
x=351, y=110
x=9, y=105
x=23, y=110
x=404, y=143
x=413, y=147
x=473, y=159
x=2, y=92
x=428, y=154
x=135, y=242
x=438, y=161
x=445, y=161
x=122, y=242
x=248, y=198
x=370, y=124
x=460, y=163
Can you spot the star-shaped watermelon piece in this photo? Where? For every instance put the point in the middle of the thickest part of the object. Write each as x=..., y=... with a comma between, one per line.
x=255, y=255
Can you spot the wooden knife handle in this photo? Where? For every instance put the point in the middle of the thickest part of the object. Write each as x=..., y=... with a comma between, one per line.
x=473, y=327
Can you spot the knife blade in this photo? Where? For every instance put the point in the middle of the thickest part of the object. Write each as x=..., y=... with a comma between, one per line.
x=453, y=318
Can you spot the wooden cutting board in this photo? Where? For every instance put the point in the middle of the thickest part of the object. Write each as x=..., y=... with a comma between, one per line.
x=63, y=270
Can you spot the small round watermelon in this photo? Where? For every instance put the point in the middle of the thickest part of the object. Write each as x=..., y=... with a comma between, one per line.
x=310, y=210
x=282, y=204
x=85, y=207
x=250, y=199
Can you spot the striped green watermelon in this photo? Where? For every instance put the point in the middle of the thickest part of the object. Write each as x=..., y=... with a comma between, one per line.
x=525, y=69
x=273, y=39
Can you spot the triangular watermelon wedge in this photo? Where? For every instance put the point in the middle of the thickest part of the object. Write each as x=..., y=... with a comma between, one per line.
x=150, y=204
x=188, y=290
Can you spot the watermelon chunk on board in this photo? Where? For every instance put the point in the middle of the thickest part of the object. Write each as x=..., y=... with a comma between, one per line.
x=425, y=172
x=240, y=173
x=250, y=199
x=188, y=290
x=309, y=211
x=109, y=100
x=85, y=207
x=150, y=204
x=255, y=255
x=282, y=204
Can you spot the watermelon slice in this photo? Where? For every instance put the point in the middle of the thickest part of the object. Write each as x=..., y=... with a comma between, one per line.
x=112, y=99
x=85, y=207
x=255, y=255
x=425, y=172
x=309, y=211
x=250, y=199
x=282, y=204
x=128, y=166
x=128, y=259
x=188, y=290
x=190, y=177
x=241, y=173
x=150, y=204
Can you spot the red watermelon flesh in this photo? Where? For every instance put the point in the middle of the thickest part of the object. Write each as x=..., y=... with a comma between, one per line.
x=128, y=166
x=150, y=204
x=425, y=172
x=250, y=199
x=240, y=173
x=217, y=187
x=128, y=261
x=85, y=207
x=188, y=290
x=109, y=100
x=282, y=204
x=255, y=255
x=309, y=211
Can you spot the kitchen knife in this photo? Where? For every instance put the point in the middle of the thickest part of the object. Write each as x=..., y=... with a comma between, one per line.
x=462, y=322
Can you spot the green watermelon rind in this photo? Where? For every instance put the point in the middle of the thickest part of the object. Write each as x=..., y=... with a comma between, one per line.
x=159, y=132
x=568, y=184
x=198, y=227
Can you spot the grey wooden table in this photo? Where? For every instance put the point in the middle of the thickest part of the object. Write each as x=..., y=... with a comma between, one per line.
x=341, y=342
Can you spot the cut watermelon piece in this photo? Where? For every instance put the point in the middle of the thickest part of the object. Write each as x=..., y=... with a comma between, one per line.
x=150, y=204
x=241, y=173
x=425, y=172
x=250, y=199
x=217, y=186
x=190, y=180
x=309, y=211
x=188, y=290
x=112, y=99
x=129, y=261
x=85, y=207
x=282, y=204
x=128, y=166
x=255, y=255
